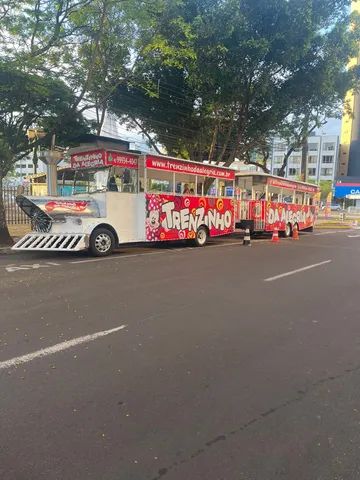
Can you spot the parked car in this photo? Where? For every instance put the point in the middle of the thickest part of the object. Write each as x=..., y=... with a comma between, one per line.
x=333, y=208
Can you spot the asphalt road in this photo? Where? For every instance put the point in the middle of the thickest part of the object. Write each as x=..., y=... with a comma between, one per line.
x=221, y=368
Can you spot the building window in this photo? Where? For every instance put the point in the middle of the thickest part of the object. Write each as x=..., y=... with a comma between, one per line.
x=329, y=147
x=326, y=172
x=278, y=159
x=312, y=159
x=313, y=147
x=280, y=147
x=311, y=172
x=296, y=160
x=293, y=171
x=327, y=159
x=276, y=171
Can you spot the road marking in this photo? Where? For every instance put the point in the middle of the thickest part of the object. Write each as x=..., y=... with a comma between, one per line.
x=13, y=268
x=114, y=257
x=332, y=232
x=33, y=266
x=13, y=362
x=230, y=244
x=353, y=236
x=298, y=270
x=177, y=250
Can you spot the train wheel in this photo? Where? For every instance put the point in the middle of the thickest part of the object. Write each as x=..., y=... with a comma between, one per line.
x=201, y=237
x=102, y=242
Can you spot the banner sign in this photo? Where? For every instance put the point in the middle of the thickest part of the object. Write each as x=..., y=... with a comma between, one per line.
x=279, y=214
x=192, y=168
x=174, y=217
x=328, y=205
x=120, y=159
x=103, y=158
x=299, y=187
x=60, y=206
x=342, y=190
x=92, y=159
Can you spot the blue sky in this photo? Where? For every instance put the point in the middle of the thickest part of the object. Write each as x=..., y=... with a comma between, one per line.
x=332, y=127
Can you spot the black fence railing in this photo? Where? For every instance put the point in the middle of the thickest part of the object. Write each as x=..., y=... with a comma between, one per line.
x=14, y=214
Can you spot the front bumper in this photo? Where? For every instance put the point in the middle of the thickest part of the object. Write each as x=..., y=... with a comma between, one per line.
x=66, y=242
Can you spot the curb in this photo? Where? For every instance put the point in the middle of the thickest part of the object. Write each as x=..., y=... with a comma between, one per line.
x=5, y=250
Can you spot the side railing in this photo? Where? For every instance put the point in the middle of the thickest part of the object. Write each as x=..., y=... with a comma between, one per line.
x=14, y=214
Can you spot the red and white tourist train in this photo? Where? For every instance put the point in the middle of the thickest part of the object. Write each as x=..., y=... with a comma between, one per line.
x=266, y=202
x=120, y=197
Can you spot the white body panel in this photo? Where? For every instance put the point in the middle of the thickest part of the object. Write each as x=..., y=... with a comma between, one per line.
x=124, y=212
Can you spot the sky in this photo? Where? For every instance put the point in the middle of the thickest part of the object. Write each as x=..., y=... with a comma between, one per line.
x=332, y=127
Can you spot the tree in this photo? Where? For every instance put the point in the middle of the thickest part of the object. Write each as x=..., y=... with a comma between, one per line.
x=85, y=43
x=325, y=188
x=217, y=79
x=27, y=100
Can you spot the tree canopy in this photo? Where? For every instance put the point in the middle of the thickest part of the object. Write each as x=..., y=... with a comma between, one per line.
x=206, y=79
x=27, y=100
x=218, y=78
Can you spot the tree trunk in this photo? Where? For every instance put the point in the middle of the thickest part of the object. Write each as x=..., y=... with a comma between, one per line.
x=285, y=161
x=213, y=143
x=304, y=153
x=5, y=238
x=35, y=159
x=225, y=146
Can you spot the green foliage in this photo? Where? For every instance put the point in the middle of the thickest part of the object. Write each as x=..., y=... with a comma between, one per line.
x=326, y=188
x=218, y=78
x=27, y=100
x=206, y=79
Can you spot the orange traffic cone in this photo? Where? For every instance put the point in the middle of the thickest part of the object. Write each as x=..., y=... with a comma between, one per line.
x=295, y=234
x=275, y=236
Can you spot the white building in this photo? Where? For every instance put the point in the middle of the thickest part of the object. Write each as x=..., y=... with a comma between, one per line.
x=25, y=167
x=322, y=160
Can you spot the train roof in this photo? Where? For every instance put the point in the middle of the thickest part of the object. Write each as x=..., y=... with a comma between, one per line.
x=276, y=177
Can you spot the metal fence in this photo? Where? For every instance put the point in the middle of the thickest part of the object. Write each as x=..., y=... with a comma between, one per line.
x=14, y=215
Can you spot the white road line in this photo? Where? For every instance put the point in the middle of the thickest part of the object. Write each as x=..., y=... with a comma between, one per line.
x=114, y=257
x=353, y=236
x=13, y=362
x=120, y=257
x=230, y=244
x=177, y=250
x=332, y=232
x=298, y=270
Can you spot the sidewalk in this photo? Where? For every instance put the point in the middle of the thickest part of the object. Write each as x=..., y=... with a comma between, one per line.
x=334, y=221
x=16, y=231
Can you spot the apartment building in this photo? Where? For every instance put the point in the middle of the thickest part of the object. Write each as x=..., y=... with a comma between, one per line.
x=24, y=167
x=322, y=159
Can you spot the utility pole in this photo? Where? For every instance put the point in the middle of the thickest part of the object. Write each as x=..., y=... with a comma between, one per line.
x=51, y=158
